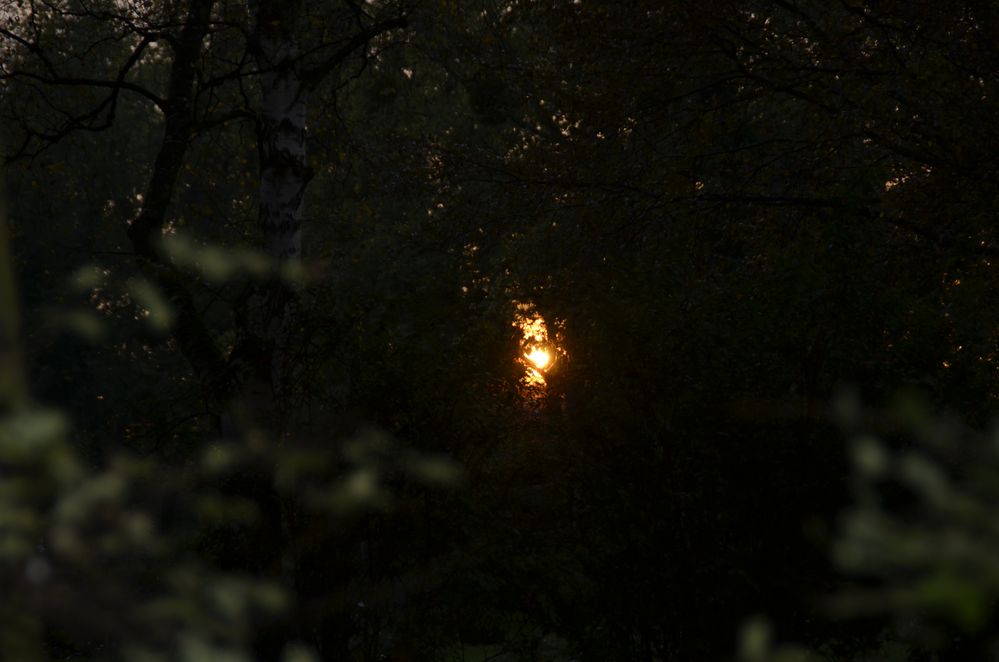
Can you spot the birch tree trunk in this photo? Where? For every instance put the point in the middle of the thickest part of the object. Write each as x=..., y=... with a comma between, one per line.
x=284, y=172
x=284, y=175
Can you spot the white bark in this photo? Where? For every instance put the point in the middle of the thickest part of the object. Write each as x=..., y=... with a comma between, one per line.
x=267, y=327
x=284, y=171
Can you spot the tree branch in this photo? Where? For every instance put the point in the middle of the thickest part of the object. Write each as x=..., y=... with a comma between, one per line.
x=315, y=75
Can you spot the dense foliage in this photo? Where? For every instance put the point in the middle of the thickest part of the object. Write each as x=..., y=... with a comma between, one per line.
x=738, y=220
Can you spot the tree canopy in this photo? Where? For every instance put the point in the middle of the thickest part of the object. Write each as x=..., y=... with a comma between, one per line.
x=276, y=278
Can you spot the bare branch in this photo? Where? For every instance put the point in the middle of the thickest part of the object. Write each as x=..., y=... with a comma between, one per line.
x=315, y=75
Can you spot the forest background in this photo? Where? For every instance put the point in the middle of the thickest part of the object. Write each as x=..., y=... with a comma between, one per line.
x=272, y=275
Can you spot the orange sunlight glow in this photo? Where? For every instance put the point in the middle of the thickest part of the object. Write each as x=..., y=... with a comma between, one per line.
x=538, y=352
x=539, y=356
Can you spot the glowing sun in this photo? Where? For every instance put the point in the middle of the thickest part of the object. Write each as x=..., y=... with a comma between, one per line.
x=539, y=356
x=538, y=350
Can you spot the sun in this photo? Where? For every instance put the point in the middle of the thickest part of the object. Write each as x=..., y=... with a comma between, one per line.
x=539, y=356
x=538, y=351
